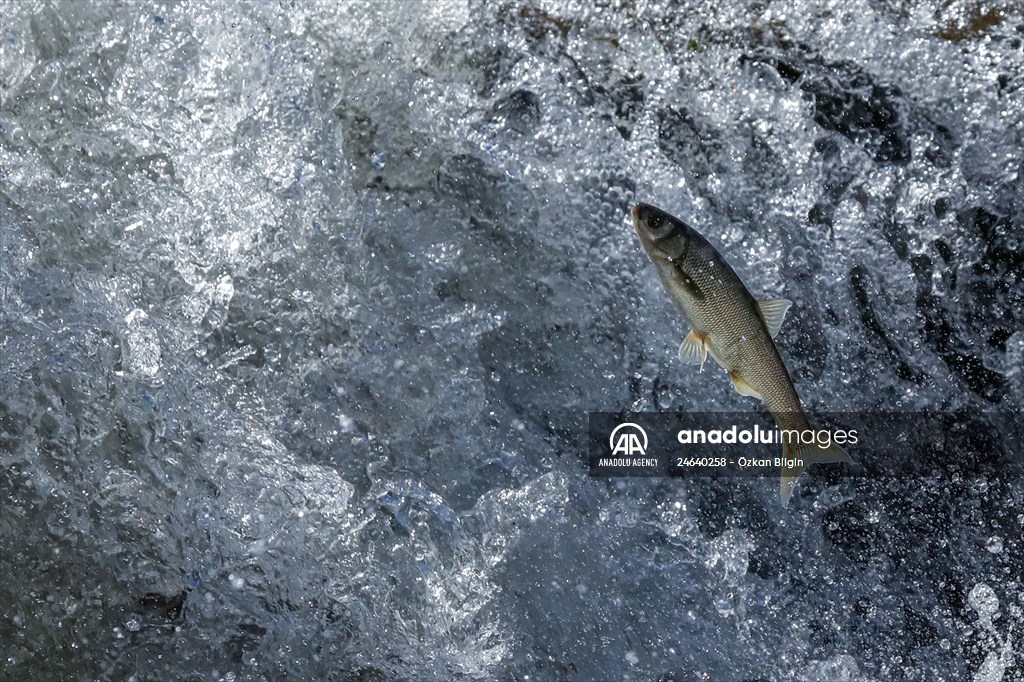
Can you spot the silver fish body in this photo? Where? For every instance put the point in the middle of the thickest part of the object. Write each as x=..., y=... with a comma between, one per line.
x=729, y=325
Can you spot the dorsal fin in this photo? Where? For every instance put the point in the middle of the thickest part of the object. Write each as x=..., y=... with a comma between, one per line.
x=773, y=311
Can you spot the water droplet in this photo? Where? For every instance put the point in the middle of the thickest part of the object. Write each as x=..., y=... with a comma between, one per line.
x=347, y=424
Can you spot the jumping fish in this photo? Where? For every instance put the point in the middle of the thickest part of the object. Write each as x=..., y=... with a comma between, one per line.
x=733, y=328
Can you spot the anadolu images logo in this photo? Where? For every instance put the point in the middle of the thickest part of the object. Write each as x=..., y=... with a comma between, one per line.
x=628, y=439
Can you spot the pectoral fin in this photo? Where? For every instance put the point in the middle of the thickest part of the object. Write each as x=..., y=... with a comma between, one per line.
x=742, y=387
x=693, y=349
x=773, y=311
x=690, y=287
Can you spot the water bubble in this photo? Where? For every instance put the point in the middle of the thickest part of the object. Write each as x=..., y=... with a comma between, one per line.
x=984, y=601
x=143, y=344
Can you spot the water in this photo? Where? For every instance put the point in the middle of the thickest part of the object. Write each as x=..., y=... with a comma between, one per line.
x=303, y=305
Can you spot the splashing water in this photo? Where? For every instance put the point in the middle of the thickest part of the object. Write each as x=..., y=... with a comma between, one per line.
x=302, y=307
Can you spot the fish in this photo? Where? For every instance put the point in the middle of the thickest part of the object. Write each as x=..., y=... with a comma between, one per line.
x=735, y=329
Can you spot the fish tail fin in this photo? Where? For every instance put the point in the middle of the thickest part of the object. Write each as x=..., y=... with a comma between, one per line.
x=801, y=455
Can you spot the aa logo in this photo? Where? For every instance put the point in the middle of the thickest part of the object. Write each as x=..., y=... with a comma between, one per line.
x=628, y=439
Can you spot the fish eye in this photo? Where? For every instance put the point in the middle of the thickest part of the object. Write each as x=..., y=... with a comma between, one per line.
x=655, y=222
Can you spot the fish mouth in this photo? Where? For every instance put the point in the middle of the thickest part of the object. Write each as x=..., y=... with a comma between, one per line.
x=641, y=228
x=641, y=212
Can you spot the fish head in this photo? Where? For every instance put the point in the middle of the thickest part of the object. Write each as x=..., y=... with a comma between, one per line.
x=682, y=258
x=665, y=237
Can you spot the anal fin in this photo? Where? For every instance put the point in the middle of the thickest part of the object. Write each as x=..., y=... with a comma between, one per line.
x=742, y=387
